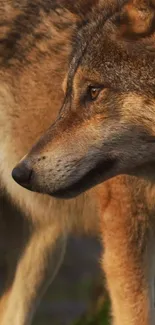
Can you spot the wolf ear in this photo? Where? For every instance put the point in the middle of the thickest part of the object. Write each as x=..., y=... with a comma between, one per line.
x=138, y=17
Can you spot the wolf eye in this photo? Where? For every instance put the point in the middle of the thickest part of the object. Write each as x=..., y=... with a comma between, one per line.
x=94, y=92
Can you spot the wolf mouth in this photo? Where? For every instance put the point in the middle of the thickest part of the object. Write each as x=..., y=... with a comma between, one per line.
x=102, y=171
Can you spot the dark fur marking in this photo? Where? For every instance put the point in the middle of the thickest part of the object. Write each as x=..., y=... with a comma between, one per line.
x=21, y=37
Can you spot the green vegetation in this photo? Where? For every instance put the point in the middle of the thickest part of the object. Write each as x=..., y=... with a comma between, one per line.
x=100, y=318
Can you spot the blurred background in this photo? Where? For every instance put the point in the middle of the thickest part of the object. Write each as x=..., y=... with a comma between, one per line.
x=77, y=296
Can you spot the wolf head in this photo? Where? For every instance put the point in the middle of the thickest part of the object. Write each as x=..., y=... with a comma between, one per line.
x=106, y=125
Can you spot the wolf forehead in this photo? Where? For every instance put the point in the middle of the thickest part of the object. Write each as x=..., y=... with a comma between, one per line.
x=119, y=62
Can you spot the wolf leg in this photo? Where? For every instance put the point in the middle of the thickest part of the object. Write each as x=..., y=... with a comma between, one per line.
x=36, y=268
x=125, y=238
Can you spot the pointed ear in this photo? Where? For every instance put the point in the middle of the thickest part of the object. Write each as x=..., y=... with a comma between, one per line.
x=138, y=17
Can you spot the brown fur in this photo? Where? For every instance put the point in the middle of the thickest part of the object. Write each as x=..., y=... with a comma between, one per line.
x=35, y=46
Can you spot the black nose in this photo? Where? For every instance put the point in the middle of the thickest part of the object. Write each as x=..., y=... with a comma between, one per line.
x=22, y=174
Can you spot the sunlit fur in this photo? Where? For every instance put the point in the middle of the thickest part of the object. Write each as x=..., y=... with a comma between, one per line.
x=36, y=43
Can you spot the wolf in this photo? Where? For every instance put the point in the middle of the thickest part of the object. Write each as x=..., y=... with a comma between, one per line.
x=35, y=46
x=104, y=136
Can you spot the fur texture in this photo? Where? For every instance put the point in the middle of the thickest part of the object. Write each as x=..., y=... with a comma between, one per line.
x=37, y=43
